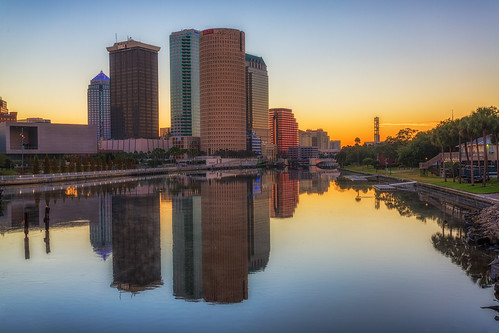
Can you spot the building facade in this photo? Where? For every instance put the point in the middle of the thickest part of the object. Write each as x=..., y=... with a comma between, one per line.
x=42, y=138
x=257, y=103
x=134, y=90
x=283, y=130
x=99, y=105
x=222, y=90
x=314, y=138
x=5, y=116
x=184, y=83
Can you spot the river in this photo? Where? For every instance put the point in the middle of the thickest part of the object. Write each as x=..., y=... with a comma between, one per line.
x=289, y=251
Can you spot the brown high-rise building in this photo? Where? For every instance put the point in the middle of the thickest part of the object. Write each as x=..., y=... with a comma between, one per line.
x=222, y=90
x=133, y=69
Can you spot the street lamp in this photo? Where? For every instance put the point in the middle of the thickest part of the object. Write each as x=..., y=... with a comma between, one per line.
x=22, y=150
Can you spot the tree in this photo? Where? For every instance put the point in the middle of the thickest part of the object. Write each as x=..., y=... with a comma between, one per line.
x=46, y=165
x=36, y=165
x=72, y=164
x=495, y=140
x=86, y=164
x=483, y=117
x=54, y=166
x=438, y=138
x=79, y=165
x=3, y=160
x=64, y=168
x=419, y=149
x=368, y=161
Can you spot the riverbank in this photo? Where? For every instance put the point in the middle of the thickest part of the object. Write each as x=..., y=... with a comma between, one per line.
x=9, y=181
x=487, y=198
x=483, y=223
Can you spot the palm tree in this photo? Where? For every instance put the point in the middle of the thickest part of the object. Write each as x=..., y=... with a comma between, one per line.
x=438, y=139
x=483, y=118
x=468, y=130
x=451, y=132
x=495, y=139
x=460, y=133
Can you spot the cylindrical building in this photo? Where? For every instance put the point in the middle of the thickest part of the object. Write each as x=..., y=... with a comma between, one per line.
x=222, y=90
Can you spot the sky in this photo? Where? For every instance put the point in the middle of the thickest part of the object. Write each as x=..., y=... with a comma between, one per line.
x=336, y=64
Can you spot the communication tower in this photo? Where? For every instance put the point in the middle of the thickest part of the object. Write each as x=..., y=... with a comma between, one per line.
x=376, y=130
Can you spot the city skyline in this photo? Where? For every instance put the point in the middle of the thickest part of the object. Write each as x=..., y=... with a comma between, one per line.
x=337, y=65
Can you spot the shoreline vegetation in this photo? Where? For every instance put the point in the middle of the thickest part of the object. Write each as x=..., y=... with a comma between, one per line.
x=414, y=175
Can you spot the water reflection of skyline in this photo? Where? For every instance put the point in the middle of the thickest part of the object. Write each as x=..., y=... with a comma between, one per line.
x=136, y=240
x=220, y=227
x=219, y=237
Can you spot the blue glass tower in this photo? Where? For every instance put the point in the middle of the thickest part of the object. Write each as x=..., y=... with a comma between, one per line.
x=99, y=105
x=184, y=83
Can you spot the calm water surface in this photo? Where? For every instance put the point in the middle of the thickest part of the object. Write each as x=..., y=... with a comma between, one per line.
x=264, y=252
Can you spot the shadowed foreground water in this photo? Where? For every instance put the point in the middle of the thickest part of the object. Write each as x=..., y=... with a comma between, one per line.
x=218, y=252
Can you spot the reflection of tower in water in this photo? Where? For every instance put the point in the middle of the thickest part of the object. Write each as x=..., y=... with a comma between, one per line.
x=224, y=234
x=101, y=227
x=284, y=196
x=136, y=240
x=258, y=225
x=187, y=250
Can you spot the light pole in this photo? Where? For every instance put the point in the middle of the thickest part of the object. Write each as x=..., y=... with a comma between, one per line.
x=22, y=150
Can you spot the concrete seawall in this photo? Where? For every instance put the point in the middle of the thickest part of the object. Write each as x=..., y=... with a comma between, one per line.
x=458, y=197
x=8, y=181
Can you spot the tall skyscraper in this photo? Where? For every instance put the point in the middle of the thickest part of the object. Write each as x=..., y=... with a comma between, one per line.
x=283, y=130
x=99, y=107
x=134, y=90
x=222, y=90
x=184, y=83
x=257, y=102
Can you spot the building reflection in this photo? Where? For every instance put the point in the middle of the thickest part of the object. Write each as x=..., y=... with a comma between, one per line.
x=221, y=232
x=284, y=195
x=136, y=240
x=224, y=240
x=101, y=232
x=259, y=191
x=187, y=250
x=315, y=182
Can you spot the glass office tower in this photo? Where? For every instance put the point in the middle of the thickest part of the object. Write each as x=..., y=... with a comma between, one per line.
x=184, y=83
x=98, y=99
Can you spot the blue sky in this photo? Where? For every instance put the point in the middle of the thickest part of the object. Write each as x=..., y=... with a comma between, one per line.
x=337, y=64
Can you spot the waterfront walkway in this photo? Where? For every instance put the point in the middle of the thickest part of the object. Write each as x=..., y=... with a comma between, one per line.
x=7, y=181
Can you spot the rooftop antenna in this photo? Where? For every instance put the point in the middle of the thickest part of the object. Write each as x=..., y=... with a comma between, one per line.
x=116, y=37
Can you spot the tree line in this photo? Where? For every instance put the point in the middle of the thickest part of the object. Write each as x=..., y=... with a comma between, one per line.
x=410, y=147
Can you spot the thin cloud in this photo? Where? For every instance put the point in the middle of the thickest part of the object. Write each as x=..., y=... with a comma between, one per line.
x=409, y=124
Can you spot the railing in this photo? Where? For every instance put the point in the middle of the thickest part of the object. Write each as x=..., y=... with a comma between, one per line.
x=455, y=158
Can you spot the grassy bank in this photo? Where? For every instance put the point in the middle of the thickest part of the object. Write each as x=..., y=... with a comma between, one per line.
x=413, y=174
